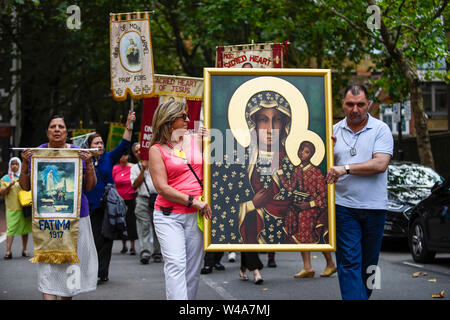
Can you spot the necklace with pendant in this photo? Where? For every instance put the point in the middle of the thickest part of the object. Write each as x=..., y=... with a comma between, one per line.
x=352, y=148
x=178, y=153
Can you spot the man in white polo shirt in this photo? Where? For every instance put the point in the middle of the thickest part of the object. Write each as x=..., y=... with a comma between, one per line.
x=363, y=148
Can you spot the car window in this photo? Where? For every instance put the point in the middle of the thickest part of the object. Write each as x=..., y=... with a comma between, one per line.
x=412, y=175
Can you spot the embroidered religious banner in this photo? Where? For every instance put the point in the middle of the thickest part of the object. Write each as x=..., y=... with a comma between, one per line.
x=189, y=88
x=184, y=89
x=131, y=56
x=56, y=185
x=257, y=55
x=265, y=165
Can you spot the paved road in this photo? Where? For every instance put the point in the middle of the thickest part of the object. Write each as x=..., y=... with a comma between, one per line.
x=130, y=280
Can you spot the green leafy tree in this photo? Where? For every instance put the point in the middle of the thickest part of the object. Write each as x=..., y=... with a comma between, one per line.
x=64, y=70
x=405, y=35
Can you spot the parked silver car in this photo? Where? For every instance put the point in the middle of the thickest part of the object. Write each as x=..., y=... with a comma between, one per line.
x=408, y=184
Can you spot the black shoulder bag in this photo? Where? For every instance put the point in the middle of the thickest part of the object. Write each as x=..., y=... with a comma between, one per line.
x=114, y=225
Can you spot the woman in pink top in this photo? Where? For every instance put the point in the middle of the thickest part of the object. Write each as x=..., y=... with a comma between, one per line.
x=121, y=177
x=179, y=189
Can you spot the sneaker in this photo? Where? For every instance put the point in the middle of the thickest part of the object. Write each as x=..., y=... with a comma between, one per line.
x=144, y=254
x=232, y=257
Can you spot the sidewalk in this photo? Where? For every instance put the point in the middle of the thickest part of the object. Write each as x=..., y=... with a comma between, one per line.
x=2, y=218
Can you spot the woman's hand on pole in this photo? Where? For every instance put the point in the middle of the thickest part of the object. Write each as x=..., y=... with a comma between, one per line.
x=203, y=208
x=129, y=130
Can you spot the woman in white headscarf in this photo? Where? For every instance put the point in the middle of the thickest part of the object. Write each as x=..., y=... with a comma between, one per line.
x=17, y=224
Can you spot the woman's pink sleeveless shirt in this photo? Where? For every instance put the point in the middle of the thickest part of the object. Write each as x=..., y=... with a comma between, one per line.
x=181, y=178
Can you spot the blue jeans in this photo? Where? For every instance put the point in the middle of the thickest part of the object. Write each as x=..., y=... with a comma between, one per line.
x=359, y=237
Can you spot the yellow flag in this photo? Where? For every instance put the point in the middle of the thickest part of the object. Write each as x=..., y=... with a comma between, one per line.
x=115, y=135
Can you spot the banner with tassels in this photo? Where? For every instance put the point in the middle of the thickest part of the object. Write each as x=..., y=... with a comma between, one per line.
x=131, y=55
x=189, y=88
x=56, y=185
x=184, y=89
x=255, y=55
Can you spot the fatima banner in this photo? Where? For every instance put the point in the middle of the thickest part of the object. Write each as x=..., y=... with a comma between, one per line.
x=56, y=185
x=115, y=135
x=257, y=55
x=131, y=56
x=185, y=89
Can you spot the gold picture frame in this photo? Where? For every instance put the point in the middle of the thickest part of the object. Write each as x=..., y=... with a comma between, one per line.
x=302, y=97
x=57, y=179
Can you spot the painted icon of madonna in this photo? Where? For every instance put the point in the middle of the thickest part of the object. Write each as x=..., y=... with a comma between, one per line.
x=266, y=174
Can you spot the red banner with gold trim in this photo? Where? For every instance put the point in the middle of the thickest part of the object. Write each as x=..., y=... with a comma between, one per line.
x=185, y=89
x=258, y=55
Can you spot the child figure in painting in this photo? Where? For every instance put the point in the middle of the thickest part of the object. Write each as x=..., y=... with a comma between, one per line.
x=307, y=219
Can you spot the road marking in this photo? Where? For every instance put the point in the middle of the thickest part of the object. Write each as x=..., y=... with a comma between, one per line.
x=220, y=291
x=2, y=237
x=413, y=264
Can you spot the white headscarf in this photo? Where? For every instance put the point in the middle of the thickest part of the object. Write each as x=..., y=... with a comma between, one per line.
x=10, y=173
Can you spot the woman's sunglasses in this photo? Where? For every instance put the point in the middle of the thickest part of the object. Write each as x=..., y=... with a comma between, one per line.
x=184, y=116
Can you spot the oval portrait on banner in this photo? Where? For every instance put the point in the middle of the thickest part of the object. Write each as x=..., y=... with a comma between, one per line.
x=131, y=51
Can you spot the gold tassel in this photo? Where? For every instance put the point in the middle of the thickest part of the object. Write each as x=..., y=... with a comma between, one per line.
x=49, y=256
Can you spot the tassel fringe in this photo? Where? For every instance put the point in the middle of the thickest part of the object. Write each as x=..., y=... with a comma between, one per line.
x=55, y=257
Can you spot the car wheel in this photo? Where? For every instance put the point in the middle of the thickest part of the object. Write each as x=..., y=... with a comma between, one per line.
x=417, y=243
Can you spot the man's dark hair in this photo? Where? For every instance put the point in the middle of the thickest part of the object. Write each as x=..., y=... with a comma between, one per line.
x=356, y=89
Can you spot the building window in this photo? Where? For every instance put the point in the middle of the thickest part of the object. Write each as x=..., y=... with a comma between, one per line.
x=387, y=117
x=435, y=99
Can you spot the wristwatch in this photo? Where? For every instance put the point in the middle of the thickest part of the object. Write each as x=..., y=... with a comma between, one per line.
x=347, y=168
x=190, y=200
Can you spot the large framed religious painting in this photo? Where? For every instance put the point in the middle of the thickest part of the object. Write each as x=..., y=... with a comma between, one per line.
x=266, y=160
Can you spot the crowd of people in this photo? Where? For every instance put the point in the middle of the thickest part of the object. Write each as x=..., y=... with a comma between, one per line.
x=164, y=197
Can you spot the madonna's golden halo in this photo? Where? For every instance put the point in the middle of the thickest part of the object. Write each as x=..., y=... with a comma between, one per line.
x=299, y=116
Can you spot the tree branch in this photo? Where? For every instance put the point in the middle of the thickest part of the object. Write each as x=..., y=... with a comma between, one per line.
x=437, y=14
x=354, y=26
x=397, y=36
x=440, y=10
x=401, y=5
